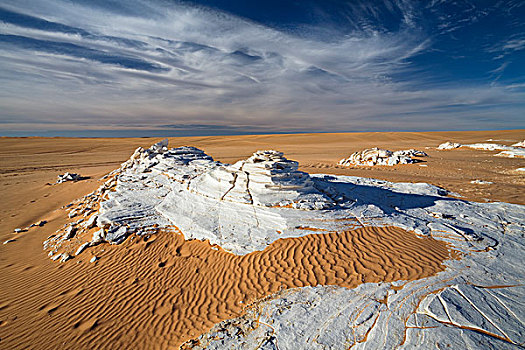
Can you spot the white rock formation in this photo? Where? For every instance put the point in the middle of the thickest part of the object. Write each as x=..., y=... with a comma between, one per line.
x=68, y=177
x=376, y=156
x=91, y=222
x=449, y=145
x=82, y=248
x=488, y=146
x=411, y=153
x=70, y=232
x=481, y=182
x=514, y=151
x=265, y=179
x=476, y=302
x=37, y=224
x=519, y=144
x=63, y=257
x=184, y=187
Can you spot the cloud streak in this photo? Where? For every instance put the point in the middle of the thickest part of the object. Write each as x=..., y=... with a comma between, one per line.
x=155, y=64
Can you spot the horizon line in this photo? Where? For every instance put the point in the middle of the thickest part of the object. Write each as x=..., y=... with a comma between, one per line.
x=172, y=134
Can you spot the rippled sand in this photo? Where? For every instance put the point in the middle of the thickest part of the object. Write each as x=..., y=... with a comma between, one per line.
x=159, y=292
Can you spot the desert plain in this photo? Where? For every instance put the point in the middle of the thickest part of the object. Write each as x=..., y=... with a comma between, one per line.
x=159, y=291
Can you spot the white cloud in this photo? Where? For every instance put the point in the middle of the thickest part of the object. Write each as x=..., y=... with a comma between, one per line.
x=514, y=44
x=219, y=69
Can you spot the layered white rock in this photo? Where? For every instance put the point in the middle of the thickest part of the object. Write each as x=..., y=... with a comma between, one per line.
x=449, y=145
x=245, y=206
x=376, y=156
x=476, y=303
x=514, y=151
x=68, y=177
x=265, y=179
x=481, y=182
x=519, y=144
x=488, y=146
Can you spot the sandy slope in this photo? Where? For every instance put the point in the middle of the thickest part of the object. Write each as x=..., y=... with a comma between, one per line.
x=156, y=293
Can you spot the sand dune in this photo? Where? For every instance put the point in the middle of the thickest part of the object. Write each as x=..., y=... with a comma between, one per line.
x=159, y=291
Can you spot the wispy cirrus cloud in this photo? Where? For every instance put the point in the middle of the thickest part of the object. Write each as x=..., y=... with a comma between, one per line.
x=146, y=65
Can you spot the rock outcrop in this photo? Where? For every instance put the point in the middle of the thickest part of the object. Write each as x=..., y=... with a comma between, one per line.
x=449, y=145
x=266, y=179
x=238, y=206
x=244, y=207
x=514, y=151
x=68, y=177
x=376, y=156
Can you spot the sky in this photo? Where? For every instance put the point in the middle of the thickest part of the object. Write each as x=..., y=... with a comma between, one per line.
x=222, y=67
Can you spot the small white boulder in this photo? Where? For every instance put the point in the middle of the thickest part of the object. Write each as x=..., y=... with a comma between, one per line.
x=82, y=248
x=70, y=232
x=449, y=145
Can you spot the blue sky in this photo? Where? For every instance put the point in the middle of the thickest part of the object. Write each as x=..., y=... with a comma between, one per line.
x=161, y=68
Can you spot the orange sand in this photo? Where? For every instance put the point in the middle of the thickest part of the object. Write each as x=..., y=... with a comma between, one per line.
x=158, y=293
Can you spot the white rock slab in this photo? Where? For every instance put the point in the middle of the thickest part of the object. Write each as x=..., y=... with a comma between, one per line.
x=476, y=302
x=514, y=151
x=68, y=177
x=481, y=182
x=449, y=145
x=376, y=156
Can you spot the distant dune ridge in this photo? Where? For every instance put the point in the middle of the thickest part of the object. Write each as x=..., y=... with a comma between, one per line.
x=319, y=261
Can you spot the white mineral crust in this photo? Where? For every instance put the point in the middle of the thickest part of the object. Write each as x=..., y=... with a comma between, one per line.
x=481, y=182
x=514, y=151
x=449, y=145
x=376, y=156
x=477, y=302
x=68, y=177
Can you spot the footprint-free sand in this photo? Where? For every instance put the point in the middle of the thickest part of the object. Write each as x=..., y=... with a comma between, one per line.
x=159, y=291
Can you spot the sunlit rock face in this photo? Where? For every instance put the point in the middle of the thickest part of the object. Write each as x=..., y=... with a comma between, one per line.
x=267, y=179
x=449, y=145
x=376, y=156
x=243, y=206
x=515, y=151
x=246, y=206
x=476, y=302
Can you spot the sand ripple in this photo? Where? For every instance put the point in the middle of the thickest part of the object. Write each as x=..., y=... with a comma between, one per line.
x=160, y=292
